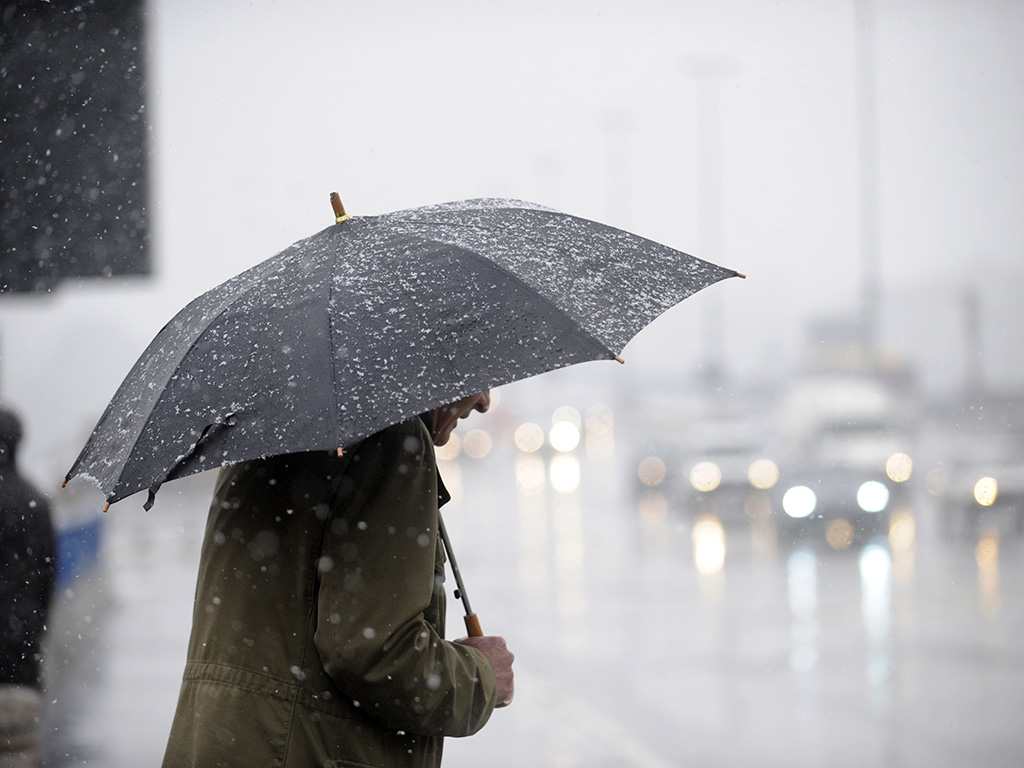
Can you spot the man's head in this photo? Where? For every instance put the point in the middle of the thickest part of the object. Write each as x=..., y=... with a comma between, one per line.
x=443, y=420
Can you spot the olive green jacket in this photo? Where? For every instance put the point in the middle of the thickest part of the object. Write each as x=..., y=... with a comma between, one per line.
x=317, y=637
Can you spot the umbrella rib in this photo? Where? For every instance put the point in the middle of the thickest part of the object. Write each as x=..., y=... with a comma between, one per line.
x=336, y=420
x=112, y=496
x=536, y=292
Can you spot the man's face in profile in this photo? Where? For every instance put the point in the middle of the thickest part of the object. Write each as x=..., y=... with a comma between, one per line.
x=447, y=416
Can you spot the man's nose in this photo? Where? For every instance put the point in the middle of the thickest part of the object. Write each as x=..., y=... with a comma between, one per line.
x=484, y=402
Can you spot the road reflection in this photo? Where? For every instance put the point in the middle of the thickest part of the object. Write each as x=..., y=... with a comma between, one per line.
x=876, y=603
x=802, y=591
x=648, y=627
x=987, y=556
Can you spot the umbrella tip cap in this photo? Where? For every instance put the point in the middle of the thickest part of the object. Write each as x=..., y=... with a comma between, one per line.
x=339, y=209
x=741, y=275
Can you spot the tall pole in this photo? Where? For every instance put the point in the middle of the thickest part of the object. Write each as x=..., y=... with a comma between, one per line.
x=707, y=75
x=868, y=176
x=974, y=374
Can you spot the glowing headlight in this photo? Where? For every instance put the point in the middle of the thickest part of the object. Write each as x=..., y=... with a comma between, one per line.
x=705, y=476
x=985, y=491
x=872, y=496
x=799, y=501
x=564, y=436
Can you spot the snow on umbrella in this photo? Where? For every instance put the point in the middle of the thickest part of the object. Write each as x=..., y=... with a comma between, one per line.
x=374, y=320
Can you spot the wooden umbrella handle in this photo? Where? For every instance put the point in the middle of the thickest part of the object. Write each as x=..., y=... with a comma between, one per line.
x=473, y=625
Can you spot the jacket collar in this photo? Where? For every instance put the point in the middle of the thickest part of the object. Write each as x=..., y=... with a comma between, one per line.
x=443, y=497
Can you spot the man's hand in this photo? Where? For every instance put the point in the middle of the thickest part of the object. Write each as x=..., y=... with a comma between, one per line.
x=501, y=659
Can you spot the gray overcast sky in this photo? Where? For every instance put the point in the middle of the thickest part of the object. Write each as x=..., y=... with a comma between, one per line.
x=592, y=108
x=262, y=108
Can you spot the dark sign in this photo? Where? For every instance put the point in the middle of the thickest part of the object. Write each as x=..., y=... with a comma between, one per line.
x=72, y=142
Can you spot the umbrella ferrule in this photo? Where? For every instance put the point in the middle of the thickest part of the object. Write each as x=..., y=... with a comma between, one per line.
x=339, y=209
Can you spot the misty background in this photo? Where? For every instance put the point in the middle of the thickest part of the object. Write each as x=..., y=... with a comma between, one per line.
x=859, y=161
x=257, y=111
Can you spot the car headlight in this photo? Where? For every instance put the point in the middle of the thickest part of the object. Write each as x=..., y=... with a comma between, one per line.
x=872, y=496
x=799, y=501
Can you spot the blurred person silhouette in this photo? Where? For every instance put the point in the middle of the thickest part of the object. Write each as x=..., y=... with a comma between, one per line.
x=27, y=571
x=318, y=626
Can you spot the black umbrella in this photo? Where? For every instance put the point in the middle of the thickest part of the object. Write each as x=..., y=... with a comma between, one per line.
x=374, y=320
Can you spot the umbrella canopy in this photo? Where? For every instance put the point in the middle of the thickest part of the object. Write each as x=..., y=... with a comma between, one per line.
x=374, y=320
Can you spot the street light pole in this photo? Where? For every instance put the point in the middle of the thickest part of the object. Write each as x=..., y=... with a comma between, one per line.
x=707, y=74
x=868, y=176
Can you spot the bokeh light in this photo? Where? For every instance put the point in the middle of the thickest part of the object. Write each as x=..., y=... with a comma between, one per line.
x=705, y=476
x=477, y=443
x=799, y=501
x=529, y=437
x=873, y=496
x=839, y=534
x=898, y=467
x=651, y=471
x=763, y=474
x=564, y=436
x=986, y=490
x=569, y=414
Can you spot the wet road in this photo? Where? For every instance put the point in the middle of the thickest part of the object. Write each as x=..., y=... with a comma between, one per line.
x=643, y=637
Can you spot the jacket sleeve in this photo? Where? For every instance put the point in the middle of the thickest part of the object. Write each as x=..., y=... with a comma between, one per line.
x=377, y=576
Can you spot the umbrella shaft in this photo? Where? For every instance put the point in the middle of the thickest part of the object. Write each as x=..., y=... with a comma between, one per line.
x=455, y=566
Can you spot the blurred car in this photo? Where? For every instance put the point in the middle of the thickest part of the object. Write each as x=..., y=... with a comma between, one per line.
x=715, y=468
x=984, y=487
x=846, y=486
x=729, y=478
